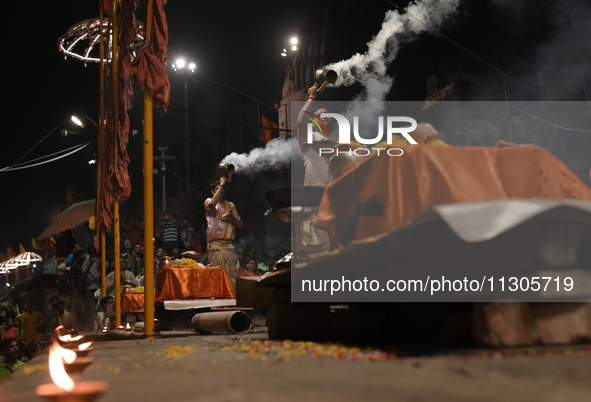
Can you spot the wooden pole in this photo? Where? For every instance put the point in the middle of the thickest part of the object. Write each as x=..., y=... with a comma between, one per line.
x=101, y=151
x=115, y=99
x=148, y=196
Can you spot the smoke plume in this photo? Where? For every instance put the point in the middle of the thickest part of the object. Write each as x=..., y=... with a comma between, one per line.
x=370, y=69
x=276, y=151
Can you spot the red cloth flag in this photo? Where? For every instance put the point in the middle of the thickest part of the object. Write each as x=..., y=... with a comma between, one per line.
x=266, y=134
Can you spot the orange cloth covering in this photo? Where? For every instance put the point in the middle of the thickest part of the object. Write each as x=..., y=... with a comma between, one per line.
x=193, y=283
x=428, y=175
x=132, y=301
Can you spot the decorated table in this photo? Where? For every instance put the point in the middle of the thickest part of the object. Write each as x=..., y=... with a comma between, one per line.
x=193, y=283
x=132, y=301
x=184, y=281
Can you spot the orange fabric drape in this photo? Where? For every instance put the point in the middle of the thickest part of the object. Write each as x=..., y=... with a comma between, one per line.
x=266, y=135
x=430, y=175
x=132, y=301
x=193, y=283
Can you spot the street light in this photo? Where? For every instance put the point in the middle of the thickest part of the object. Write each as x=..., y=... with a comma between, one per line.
x=162, y=159
x=185, y=70
x=293, y=41
x=77, y=121
x=81, y=124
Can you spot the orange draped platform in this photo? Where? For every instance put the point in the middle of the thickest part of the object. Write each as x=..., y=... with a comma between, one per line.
x=184, y=283
x=430, y=175
x=193, y=283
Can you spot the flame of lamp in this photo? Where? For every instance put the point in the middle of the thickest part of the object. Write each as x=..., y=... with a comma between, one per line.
x=84, y=349
x=64, y=389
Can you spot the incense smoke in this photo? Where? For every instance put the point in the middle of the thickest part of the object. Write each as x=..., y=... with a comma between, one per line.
x=369, y=69
x=276, y=151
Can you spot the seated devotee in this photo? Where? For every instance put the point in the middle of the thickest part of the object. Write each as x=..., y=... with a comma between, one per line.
x=32, y=323
x=21, y=344
x=176, y=253
x=104, y=317
x=62, y=317
x=11, y=363
x=170, y=230
x=157, y=258
x=140, y=276
x=52, y=310
x=30, y=351
x=70, y=261
x=4, y=314
x=13, y=308
x=125, y=243
x=9, y=330
x=135, y=261
x=263, y=265
x=251, y=269
x=127, y=278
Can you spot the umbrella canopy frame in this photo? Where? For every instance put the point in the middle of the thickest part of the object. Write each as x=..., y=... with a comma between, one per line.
x=74, y=216
x=27, y=258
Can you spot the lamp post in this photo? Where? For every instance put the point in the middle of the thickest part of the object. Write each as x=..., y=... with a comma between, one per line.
x=99, y=160
x=185, y=69
x=162, y=159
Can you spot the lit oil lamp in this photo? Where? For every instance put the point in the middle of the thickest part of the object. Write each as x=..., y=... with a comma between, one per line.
x=84, y=349
x=64, y=389
x=72, y=363
x=127, y=327
x=68, y=340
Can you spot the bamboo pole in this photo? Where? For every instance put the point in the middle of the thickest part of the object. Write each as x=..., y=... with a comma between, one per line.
x=101, y=151
x=115, y=99
x=148, y=195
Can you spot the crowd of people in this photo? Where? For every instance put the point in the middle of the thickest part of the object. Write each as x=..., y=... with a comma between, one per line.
x=79, y=305
x=25, y=332
x=22, y=335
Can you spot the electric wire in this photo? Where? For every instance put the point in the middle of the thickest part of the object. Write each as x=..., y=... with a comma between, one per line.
x=49, y=156
x=11, y=168
x=35, y=146
x=547, y=122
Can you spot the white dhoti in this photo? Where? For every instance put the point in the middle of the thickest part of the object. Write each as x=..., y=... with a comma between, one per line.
x=227, y=259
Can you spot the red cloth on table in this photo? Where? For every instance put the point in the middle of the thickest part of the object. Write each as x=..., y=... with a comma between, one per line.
x=132, y=301
x=193, y=283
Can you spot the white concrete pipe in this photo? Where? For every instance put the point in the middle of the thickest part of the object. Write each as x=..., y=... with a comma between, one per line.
x=237, y=322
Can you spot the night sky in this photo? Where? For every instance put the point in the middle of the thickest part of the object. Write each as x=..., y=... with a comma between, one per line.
x=43, y=90
x=234, y=43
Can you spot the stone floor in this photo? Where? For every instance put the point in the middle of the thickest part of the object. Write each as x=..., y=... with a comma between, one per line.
x=252, y=368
